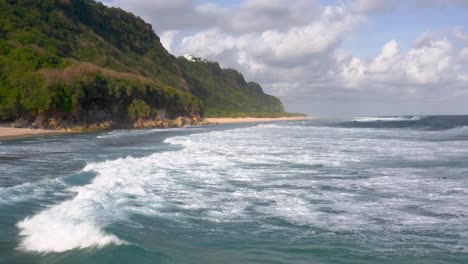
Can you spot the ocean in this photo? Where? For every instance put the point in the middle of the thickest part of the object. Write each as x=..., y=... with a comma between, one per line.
x=357, y=190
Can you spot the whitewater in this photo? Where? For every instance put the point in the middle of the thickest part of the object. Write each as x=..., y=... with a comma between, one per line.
x=357, y=190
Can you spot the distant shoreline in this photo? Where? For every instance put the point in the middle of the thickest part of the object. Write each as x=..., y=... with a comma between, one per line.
x=230, y=120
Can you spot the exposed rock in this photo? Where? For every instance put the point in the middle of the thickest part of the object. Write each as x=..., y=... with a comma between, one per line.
x=157, y=122
x=59, y=123
x=183, y=121
x=100, y=126
x=162, y=114
x=54, y=123
x=20, y=123
x=168, y=124
x=40, y=122
x=146, y=123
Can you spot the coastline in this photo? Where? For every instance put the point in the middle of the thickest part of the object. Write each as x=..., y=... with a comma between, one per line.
x=230, y=120
x=7, y=132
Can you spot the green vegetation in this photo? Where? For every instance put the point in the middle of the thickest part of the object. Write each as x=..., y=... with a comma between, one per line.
x=139, y=108
x=43, y=47
x=225, y=92
x=81, y=61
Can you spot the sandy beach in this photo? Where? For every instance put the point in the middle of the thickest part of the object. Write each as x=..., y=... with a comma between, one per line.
x=226, y=120
x=7, y=132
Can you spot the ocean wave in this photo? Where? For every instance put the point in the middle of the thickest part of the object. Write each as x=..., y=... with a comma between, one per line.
x=127, y=133
x=387, y=119
x=133, y=133
x=75, y=223
x=459, y=130
x=31, y=190
x=284, y=125
x=255, y=174
x=178, y=141
x=62, y=228
x=154, y=181
x=269, y=126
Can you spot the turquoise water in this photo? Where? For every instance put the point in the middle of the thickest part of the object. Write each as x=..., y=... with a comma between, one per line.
x=362, y=190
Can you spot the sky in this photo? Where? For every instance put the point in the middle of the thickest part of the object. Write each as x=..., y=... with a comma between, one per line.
x=328, y=57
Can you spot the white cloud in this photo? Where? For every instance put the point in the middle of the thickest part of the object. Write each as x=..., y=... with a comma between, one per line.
x=431, y=64
x=294, y=48
x=353, y=73
x=387, y=60
x=373, y=6
x=207, y=43
x=167, y=39
x=275, y=47
x=462, y=78
x=245, y=16
x=166, y=15
x=463, y=55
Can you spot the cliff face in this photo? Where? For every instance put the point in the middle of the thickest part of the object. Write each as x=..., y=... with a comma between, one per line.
x=77, y=64
x=225, y=91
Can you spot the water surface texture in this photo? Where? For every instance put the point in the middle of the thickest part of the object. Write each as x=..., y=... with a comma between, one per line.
x=361, y=190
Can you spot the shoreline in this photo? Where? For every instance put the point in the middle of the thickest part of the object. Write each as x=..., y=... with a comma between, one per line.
x=7, y=132
x=231, y=120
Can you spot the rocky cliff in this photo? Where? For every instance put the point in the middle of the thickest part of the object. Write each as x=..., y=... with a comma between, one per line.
x=80, y=65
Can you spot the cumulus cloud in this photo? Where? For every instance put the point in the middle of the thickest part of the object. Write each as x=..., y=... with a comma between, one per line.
x=419, y=66
x=273, y=47
x=247, y=16
x=430, y=64
x=167, y=39
x=294, y=48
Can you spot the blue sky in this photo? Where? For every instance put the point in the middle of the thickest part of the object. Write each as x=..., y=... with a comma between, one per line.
x=325, y=57
x=404, y=25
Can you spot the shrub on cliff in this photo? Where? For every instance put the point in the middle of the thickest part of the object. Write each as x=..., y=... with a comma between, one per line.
x=140, y=109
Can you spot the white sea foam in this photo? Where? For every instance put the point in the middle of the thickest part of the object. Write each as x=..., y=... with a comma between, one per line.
x=133, y=133
x=332, y=178
x=460, y=130
x=416, y=118
x=62, y=228
x=30, y=190
x=123, y=133
x=72, y=224
x=269, y=125
x=387, y=119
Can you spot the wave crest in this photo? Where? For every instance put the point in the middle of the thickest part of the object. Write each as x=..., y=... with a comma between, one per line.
x=459, y=130
x=60, y=229
x=387, y=119
x=76, y=223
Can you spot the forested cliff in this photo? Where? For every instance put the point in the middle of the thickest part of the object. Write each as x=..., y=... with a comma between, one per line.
x=78, y=64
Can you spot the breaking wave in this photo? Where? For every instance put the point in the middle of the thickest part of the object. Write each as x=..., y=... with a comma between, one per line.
x=321, y=177
x=387, y=119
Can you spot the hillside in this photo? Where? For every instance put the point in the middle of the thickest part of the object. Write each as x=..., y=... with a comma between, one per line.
x=225, y=92
x=81, y=65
